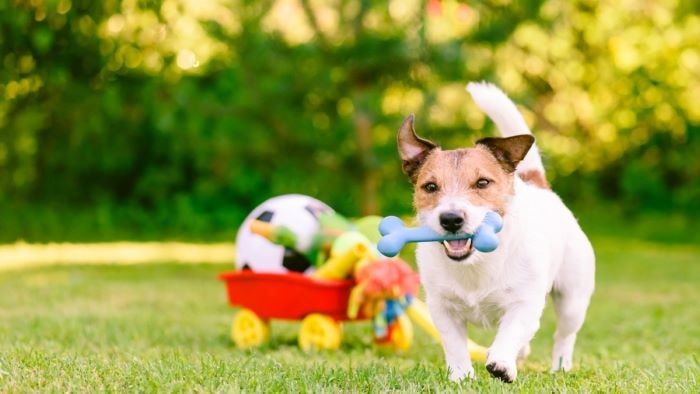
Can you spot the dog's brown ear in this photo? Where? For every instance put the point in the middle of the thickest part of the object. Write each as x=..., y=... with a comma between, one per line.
x=508, y=151
x=413, y=149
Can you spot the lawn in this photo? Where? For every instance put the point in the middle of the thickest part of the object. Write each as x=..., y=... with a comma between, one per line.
x=165, y=328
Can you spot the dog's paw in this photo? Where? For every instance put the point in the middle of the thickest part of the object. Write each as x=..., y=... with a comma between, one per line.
x=561, y=364
x=459, y=374
x=507, y=372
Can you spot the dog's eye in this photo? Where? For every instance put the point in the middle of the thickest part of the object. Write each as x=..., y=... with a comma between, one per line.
x=430, y=187
x=482, y=183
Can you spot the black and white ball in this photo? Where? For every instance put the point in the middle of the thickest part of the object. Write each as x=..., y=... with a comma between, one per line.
x=297, y=212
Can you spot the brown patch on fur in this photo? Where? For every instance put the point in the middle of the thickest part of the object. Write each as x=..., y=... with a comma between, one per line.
x=508, y=151
x=535, y=177
x=411, y=167
x=456, y=173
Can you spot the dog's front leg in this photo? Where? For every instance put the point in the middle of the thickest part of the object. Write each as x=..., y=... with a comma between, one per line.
x=518, y=325
x=453, y=332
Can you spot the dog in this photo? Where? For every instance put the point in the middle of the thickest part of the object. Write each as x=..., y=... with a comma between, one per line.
x=542, y=249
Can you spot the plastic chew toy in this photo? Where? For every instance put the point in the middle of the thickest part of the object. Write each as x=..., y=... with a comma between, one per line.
x=395, y=234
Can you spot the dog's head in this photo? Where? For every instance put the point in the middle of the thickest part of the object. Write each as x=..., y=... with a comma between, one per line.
x=453, y=189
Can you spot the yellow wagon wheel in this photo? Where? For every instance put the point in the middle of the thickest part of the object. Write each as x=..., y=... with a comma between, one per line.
x=248, y=330
x=319, y=332
x=402, y=336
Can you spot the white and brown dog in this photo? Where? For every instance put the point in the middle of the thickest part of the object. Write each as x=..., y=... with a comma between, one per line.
x=542, y=250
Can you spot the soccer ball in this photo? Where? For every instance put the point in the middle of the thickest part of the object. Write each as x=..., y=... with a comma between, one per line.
x=297, y=212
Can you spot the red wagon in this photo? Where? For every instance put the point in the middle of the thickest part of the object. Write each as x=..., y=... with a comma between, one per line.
x=320, y=304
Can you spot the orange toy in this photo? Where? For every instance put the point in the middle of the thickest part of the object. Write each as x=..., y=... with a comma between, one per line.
x=385, y=289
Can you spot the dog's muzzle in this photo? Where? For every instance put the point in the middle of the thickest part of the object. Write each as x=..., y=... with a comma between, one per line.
x=452, y=222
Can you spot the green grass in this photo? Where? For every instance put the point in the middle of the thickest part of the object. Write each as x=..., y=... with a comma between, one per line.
x=165, y=328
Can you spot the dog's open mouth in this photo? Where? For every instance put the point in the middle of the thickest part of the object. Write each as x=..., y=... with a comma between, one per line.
x=458, y=249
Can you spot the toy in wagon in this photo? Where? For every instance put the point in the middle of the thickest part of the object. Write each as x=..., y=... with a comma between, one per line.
x=297, y=259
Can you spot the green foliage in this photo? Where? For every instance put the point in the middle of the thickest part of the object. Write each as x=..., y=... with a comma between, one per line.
x=202, y=109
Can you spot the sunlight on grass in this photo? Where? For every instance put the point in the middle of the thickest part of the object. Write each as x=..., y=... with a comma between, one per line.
x=165, y=328
x=22, y=255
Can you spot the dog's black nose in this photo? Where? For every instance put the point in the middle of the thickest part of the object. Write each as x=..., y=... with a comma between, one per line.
x=451, y=221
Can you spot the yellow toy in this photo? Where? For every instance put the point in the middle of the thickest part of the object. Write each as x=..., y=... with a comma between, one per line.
x=342, y=265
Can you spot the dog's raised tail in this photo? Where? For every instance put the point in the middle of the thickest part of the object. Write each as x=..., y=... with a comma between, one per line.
x=509, y=122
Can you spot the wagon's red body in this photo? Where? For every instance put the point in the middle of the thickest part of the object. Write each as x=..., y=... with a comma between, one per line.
x=289, y=296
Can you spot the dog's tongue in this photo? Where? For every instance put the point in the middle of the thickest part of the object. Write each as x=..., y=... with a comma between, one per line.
x=457, y=244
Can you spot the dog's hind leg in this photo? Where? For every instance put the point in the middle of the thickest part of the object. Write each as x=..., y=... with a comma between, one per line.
x=571, y=295
x=571, y=311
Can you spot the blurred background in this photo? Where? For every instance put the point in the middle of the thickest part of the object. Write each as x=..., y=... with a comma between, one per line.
x=172, y=119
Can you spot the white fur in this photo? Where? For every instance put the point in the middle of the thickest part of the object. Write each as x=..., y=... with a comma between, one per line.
x=542, y=249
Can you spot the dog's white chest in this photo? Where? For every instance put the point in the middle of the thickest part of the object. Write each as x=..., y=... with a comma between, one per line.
x=477, y=294
x=475, y=306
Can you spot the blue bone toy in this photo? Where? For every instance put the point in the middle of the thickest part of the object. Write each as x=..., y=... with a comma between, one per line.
x=395, y=234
